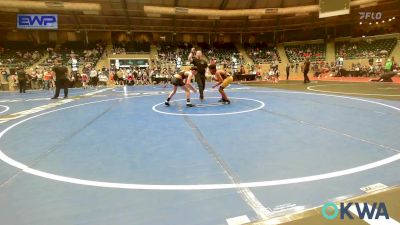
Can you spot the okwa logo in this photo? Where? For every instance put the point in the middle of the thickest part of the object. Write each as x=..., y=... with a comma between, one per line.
x=363, y=210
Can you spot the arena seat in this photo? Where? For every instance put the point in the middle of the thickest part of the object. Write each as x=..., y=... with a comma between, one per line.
x=132, y=47
x=168, y=52
x=262, y=53
x=365, y=49
x=21, y=53
x=316, y=52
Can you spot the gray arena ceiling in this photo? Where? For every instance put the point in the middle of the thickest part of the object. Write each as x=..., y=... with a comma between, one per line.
x=129, y=15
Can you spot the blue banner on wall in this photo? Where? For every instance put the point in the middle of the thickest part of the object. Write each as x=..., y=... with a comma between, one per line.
x=37, y=21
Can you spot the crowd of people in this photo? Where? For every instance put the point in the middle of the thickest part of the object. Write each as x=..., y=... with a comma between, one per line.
x=374, y=68
x=37, y=78
x=262, y=53
x=173, y=53
x=170, y=59
x=44, y=79
x=25, y=58
x=72, y=55
x=13, y=54
x=226, y=55
x=367, y=48
x=298, y=53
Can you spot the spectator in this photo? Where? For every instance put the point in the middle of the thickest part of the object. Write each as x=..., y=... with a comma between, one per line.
x=47, y=78
x=103, y=79
x=242, y=70
x=287, y=71
x=34, y=80
x=4, y=74
x=120, y=75
x=388, y=65
x=93, y=77
x=85, y=80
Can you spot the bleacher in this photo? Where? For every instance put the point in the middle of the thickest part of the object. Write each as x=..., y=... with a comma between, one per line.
x=316, y=52
x=85, y=54
x=221, y=52
x=261, y=53
x=133, y=46
x=168, y=52
x=20, y=53
x=367, y=48
x=69, y=49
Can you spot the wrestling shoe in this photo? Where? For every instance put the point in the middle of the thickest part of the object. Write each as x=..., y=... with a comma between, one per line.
x=227, y=101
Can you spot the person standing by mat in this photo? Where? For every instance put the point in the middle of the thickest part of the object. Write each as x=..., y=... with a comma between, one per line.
x=306, y=70
x=201, y=73
x=22, y=79
x=287, y=71
x=183, y=79
x=223, y=80
x=61, y=75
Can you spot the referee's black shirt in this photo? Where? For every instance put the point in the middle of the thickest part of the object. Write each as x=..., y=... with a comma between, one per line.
x=61, y=72
x=201, y=66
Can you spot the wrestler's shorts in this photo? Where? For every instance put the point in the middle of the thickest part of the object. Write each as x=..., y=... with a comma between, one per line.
x=227, y=81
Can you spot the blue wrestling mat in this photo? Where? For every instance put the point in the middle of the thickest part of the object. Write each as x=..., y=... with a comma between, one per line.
x=119, y=156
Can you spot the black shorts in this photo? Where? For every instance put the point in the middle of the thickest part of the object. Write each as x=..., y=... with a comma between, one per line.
x=177, y=81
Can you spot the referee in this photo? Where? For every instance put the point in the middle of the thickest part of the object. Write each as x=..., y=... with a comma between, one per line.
x=201, y=73
x=306, y=70
x=61, y=74
x=22, y=79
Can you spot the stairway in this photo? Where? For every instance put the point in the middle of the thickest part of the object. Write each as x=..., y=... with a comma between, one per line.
x=153, y=52
x=243, y=52
x=284, y=60
x=282, y=54
x=44, y=58
x=330, y=52
x=103, y=61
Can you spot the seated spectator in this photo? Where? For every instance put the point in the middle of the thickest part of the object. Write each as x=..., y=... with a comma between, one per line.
x=298, y=53
x=367, y=48
x=242, y=70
